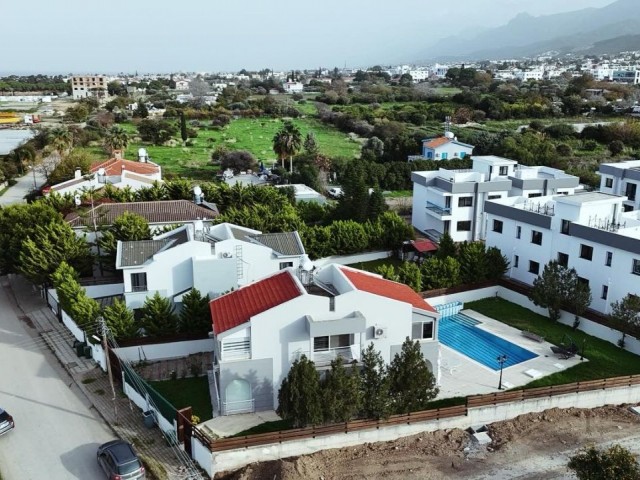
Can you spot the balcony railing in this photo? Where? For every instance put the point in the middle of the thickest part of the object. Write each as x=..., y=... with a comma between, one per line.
x=326, y=356
x=242, y=406
x=437, y=209
x=139, y=288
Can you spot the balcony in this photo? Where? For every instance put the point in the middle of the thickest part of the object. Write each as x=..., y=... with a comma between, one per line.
x=324, y=357
x=438, y=211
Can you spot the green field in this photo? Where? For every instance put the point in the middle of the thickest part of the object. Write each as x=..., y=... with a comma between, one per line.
x=252, y=134
x=187, y=392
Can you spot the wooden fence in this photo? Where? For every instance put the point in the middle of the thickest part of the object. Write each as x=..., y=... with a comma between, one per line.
x=474, y=401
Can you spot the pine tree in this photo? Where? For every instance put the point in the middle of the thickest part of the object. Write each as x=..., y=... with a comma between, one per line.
x=299, y=398
x=440, y=272
x=473, y=262
x=550, y=289
x=120, y=320
x=310, y=144
x=183, y=127
x=158, y=317
x=195, y=316
x=341, y=393
x=85, y=311
x=374, y=384
x=411, y=384
x=65, y=281
x=376, y=206
x=446, y=247
x=410, y=274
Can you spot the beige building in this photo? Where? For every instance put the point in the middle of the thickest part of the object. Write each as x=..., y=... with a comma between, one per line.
x=89, y=86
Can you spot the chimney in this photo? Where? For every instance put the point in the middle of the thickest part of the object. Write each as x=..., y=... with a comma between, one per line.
x=117, y=154
x=77, y=174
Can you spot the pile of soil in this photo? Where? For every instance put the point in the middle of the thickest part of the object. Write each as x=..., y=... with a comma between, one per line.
x=526, y=443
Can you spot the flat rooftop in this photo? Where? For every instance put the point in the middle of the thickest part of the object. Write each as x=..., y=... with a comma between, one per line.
x=586, y=197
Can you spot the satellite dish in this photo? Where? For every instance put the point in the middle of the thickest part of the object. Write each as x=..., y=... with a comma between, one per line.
x=101, y=172
x=197, y=190
x=77, y=200
x=306, y=264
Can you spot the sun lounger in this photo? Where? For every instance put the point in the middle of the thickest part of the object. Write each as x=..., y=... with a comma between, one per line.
x=565, y=352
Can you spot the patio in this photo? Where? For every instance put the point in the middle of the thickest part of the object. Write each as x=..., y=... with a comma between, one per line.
x=461, y=376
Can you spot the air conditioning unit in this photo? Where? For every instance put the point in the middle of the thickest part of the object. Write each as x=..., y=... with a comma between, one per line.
x=379, y=332
x=226, y=255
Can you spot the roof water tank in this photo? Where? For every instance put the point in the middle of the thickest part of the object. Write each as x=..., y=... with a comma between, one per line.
x=449, y=134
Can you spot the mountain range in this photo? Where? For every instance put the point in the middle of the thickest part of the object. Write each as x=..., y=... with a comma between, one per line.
x=613, y=27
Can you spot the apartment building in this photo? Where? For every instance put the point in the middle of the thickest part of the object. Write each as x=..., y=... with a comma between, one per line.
x=622, y=179
x=83, y=86
x=588, y=231
x=453, y=200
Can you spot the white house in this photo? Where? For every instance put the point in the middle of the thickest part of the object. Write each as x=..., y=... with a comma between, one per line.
x=292, y=87
x=214, y=260
x=182, y=85
x=587, y=231
x=453, y=200
x=117, y=171
x=443, y=148
x=622, y=179
x=261, y=329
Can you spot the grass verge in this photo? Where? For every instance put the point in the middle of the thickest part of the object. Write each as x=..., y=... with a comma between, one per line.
x=187, y=392
x=605, y=359
x=154, y=469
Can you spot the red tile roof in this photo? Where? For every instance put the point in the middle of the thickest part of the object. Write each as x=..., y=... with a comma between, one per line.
x=424, y=246
x=114, y=166
x=237, y=307
x=386, y=288
x=437, y=142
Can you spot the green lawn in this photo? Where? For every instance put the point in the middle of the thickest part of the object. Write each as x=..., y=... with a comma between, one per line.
x=605, y=359
x=252, y=134
x=187, y=392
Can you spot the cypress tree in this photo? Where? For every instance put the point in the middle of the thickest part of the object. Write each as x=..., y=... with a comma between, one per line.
x=341, y=393
x=195, y=316
x=299, y=398
x=374, y=385
x=158, y=317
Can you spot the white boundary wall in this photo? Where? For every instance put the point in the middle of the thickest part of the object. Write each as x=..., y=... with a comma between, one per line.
x=106, y=290
x=202, y=456
x=350, y=259
x=158, y=351
x=233, y=459
x=169, y=428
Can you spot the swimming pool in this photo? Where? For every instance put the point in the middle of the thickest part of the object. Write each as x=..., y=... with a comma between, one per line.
x=459, y=332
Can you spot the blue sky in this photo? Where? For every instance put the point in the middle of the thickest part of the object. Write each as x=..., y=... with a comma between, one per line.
x=85, y=36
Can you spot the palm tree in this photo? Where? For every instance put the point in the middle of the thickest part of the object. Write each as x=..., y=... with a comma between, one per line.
x=23, y=154
x=287, y=142
x=117, y=138
x=61, y=139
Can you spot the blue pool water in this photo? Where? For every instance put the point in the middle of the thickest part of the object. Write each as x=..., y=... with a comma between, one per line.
x=460, y=333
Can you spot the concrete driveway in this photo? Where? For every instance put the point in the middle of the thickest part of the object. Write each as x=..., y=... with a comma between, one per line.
x=56, y=434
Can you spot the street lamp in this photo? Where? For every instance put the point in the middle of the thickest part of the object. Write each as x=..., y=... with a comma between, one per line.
x=584, y=341
x=501, y=359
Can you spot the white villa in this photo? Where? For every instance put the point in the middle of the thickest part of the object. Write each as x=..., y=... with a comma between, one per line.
x=622, y=179
x=260, y=329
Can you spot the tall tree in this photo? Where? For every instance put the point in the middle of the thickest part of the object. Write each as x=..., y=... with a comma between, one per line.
x=578, y=297
x=497, y=263
x=310, y=144
x=50, y=245
x=341, y=395
x=411, y=383
x=183, y=127
x=22, y=156
x=65, y=281
x=614, y=463
x=158, y=317
x=287, y=142
x=549, y=289
x=141, y=110
x=61, y=139
x=410, y=274
x=299, y=399
x=375, y=385
x=116, y=138
x=354, y=202
x=85, y=311
x=120, y=320
x=446, y=247
x=195, y=316
x=473, y=262
x=625, y=314
x=440, y=272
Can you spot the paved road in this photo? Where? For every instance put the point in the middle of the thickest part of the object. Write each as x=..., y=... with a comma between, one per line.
x=56, y=433
x=17, y=192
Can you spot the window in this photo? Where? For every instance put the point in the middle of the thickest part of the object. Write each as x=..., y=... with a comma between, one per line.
x=605, y=292
x=284, y=265
x=608, y=259
x=504, y=170
x=445, y=156
x=422, y=330
x=630, y=192
x=608, y=182
x=564, y=229
x=462, y=154
x=465, y=201
x=534, y=267
x=497, y=226
x=583, y=281
x=139, y=282
x=563, y=259
x=627, y=208
x=494, y=197
x=464, y=226
x=536, y=237
x=534, y=195
x=586, y=252
x=518, y=231
x=447, y=225
x=635, y=268
x=333, y=341
x=516, y=261
x=429, y=154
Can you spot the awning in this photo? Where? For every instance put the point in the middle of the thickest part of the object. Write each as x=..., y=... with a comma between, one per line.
x=424, y=246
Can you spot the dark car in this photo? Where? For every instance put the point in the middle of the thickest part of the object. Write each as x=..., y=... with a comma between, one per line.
x=6, y=422
x=119, y=461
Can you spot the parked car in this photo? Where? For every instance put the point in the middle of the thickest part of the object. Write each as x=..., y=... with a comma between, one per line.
x=119, y=461
x=6, y=422
x=335, y=192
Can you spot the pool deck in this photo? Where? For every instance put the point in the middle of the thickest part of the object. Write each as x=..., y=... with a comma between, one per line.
x=461, y=376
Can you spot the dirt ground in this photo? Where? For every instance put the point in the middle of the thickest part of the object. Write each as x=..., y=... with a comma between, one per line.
x=533, y=446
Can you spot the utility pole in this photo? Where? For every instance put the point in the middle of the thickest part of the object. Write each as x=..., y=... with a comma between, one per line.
x=105, y=346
